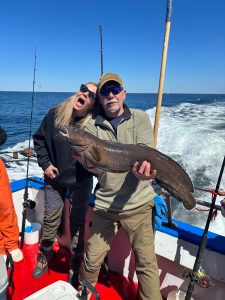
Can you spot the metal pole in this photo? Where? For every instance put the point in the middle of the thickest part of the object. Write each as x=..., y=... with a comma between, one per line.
x=163, y=68
x=169, y=216
x=28, y=203
x=198, y=260
x=101, y=51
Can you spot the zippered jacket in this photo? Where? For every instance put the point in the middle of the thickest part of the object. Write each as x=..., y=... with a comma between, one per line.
x=123, y=191
x=52, y=149
x=9, y=230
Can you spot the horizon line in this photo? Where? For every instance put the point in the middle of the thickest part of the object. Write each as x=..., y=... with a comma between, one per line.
x=164, y=93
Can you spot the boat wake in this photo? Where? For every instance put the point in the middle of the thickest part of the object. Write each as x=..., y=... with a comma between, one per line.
x=194, y=136
x=15, y=159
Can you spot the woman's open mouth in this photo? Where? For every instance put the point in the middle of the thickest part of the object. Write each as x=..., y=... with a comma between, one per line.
x=81, y=101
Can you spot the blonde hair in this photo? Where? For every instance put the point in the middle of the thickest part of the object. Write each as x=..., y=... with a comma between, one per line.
x=64, y=112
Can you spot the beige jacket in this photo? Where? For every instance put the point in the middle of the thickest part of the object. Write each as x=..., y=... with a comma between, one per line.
x=123, y=191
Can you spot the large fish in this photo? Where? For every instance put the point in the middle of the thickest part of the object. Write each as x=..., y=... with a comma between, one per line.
x=95, y=153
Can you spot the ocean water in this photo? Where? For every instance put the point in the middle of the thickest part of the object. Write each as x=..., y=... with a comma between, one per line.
x=191, y=131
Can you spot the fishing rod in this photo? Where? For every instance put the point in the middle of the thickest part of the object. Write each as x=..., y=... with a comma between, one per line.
x=163, y=68
x=101, y=50
x=27, y=202
x=193, y=275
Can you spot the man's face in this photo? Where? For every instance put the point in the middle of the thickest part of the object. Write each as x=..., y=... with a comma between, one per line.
x=111, y=97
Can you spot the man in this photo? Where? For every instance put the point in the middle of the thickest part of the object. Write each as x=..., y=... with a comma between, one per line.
x=61, y=171
x=124, y=199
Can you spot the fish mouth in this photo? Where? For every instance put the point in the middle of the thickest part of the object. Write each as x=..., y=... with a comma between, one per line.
x=64, y=132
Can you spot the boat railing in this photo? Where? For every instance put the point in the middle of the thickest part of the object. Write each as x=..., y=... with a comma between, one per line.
x=168, y=199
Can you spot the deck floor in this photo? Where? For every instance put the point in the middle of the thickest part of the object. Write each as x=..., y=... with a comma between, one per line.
x=118, y=286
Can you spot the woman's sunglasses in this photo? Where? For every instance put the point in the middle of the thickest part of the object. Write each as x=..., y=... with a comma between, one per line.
x=105, y=91
x=84, y=89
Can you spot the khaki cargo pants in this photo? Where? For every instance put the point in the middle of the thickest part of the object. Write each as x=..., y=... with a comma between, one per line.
x=139, y=229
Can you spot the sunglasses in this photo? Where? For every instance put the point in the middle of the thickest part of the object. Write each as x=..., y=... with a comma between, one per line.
x=115, y=90
x=84, y=89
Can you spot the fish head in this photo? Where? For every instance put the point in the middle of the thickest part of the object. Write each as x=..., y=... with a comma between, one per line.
x=83, y=146
x=76, y=137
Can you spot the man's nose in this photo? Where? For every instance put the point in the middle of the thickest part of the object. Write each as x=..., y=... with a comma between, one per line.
x=111, y=95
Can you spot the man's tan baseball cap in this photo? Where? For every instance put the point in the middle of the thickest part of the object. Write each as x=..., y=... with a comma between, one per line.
x=109, y=77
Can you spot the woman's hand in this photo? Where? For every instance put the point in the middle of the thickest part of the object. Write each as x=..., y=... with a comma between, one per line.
x=51, y=172
x=144, y=172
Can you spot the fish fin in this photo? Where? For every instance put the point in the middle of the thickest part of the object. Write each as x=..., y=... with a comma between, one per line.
x=96, y=155
x=95, y=170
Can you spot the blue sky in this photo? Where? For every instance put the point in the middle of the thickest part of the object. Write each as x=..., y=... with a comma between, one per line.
x=66, y=34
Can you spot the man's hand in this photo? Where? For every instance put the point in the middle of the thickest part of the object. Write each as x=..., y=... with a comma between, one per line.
x=144, y=172
x=51, y=172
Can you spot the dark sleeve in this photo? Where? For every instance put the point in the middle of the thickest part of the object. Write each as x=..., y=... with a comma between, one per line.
x=40, y=145
x=3, y=136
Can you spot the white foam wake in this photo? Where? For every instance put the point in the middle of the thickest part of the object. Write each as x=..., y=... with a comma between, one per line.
x=194, y=136
x=17, y=168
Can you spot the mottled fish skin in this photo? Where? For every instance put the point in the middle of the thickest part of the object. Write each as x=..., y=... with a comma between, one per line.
x=114, y=157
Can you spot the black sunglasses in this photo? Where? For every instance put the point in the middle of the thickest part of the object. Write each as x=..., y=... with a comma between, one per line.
x=84, y=89
x=105, y=91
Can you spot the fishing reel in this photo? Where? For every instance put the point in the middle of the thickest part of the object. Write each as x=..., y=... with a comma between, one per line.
x=202, y=280
x=29, y=204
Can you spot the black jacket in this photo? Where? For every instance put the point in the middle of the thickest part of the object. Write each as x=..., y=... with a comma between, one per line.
x=3, y=136
x=52, y=149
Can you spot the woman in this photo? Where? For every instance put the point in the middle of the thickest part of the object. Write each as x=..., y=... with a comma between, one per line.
x=62, y=171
